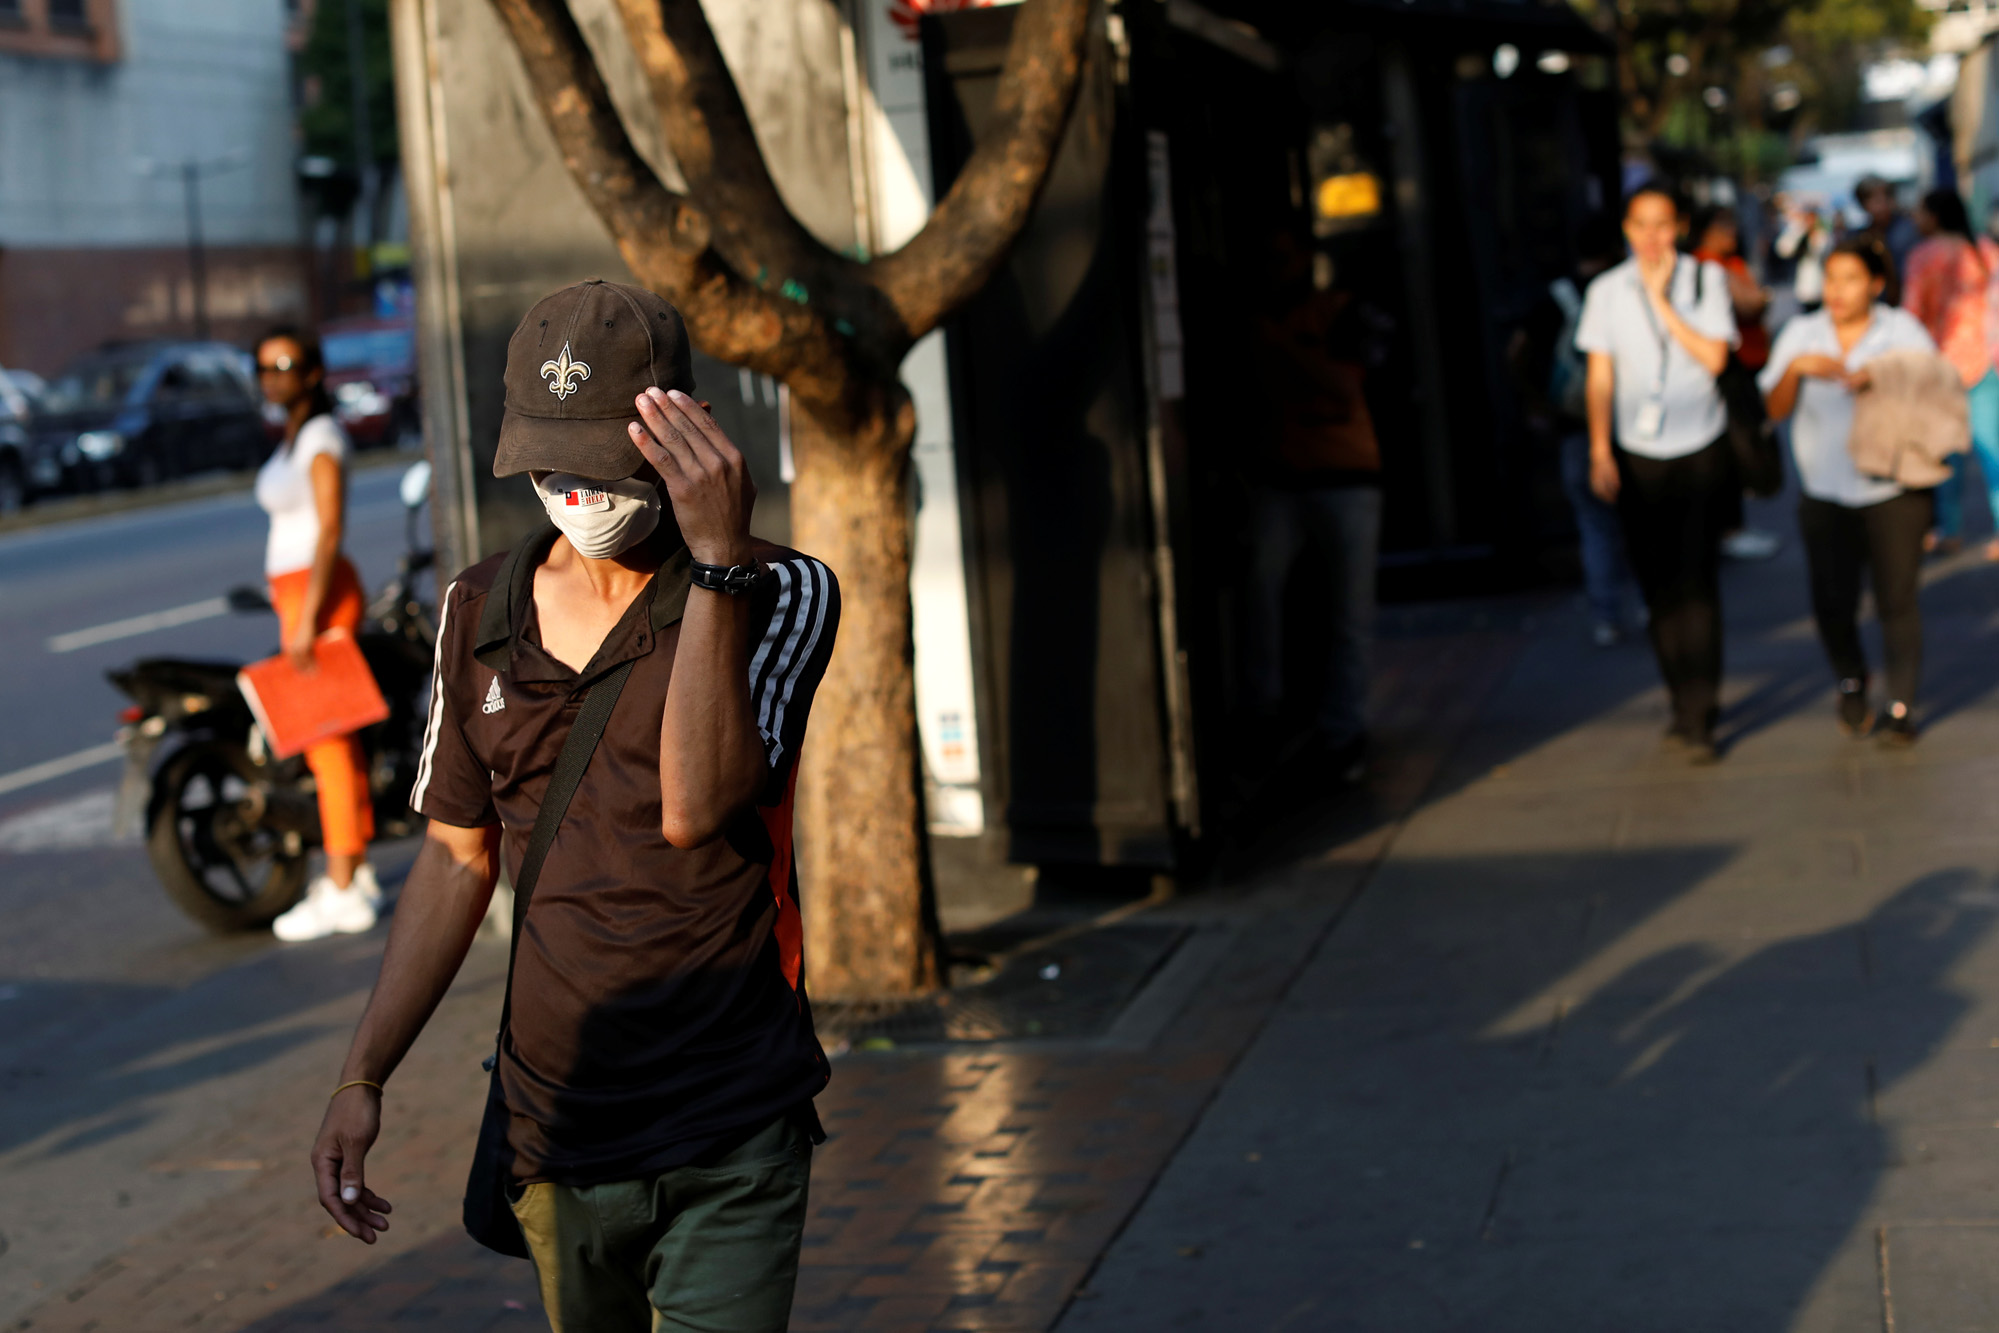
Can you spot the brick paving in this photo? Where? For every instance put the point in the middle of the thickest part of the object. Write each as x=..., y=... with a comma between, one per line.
x=962, y=1188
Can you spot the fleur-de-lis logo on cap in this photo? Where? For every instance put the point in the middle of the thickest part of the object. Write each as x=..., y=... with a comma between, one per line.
x=563, y=373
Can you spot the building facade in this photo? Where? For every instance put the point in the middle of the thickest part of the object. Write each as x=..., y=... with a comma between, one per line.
x=147, y=174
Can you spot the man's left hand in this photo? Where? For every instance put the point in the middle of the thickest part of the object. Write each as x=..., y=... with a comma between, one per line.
x=706, y=478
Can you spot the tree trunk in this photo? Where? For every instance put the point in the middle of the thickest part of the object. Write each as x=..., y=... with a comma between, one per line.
x=860, y=813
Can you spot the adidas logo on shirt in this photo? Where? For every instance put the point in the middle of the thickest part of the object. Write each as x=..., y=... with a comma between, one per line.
x=494, y=703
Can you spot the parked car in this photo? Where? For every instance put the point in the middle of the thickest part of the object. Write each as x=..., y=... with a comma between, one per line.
x=139, y=413
x=371, y=373
x=17, y=411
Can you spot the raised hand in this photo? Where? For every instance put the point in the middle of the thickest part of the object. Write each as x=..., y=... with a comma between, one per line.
x=1654, y=278
x=706, y=479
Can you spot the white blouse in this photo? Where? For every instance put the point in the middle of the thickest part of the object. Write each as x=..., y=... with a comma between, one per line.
x=1823, y=417
x=284, y=490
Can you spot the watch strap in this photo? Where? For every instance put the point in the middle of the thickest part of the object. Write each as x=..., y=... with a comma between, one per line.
x=736, y=580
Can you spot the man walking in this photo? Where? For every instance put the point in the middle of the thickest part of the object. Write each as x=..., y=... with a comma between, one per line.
x=1657, y=329
x=658, y=1062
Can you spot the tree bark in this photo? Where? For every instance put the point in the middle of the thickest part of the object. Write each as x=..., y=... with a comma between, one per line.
x=859, y=804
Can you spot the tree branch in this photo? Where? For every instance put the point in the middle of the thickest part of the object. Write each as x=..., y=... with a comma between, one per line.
x=619, y=183
x=664, y=238
x=709, y=133
x=947, y=262
x=754, y=287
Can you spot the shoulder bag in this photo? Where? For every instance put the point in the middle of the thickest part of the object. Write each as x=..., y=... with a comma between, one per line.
x=489, y=1214
x=1752, y=441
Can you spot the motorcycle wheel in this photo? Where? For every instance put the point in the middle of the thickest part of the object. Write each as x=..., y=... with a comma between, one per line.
x=221, y=867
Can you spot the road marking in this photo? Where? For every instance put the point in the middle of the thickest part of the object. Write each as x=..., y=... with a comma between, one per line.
x=146, y=624
x=67, y=826
x=51, y=769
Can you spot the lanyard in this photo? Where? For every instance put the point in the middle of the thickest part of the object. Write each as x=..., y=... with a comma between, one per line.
x=1659, y=329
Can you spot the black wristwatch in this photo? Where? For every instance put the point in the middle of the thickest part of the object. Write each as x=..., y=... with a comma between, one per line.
x=736, y=580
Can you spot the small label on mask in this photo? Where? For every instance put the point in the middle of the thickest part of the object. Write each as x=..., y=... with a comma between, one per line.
x=586, y=498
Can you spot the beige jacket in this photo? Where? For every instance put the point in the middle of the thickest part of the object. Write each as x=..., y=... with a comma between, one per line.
x=1910, y=419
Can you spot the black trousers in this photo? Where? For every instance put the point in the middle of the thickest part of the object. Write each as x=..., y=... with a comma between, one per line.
x=1674, y=513
x=1885, y=542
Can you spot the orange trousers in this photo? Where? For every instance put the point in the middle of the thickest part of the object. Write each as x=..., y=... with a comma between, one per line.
x=346, y=810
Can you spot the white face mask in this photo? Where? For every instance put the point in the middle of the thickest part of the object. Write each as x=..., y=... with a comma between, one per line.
x=601, y=518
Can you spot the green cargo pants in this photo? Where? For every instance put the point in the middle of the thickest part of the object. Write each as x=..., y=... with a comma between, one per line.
x=696, y=1249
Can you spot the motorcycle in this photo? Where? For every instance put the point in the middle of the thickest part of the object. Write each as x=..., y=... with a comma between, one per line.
x=227, y=826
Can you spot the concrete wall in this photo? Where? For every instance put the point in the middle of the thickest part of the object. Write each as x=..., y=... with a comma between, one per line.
x=91, y=204
x=58, y=302
x=196, y=79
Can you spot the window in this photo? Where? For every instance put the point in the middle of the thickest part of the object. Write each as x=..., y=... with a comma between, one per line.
x=215, y=379
x=72, y=29
x=175, y=383
x=93, y=384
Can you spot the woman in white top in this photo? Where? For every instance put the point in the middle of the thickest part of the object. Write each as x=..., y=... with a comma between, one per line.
x=314, y=589
x=1853, y=524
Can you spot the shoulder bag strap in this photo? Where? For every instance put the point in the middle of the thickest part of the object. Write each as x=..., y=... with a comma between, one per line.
x=584, y=734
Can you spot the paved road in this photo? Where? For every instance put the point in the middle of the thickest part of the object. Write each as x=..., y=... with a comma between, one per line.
x=124, y=1028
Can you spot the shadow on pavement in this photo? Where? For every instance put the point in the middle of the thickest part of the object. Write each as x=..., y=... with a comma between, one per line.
x=93, y=1054
x=446, y=1285
x=1473, y=1115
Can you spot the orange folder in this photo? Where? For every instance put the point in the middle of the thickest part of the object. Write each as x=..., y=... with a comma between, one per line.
x=297, y=710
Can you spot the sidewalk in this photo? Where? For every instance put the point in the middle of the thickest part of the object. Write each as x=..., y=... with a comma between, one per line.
x=1613, y=1043
x=1543, y=1031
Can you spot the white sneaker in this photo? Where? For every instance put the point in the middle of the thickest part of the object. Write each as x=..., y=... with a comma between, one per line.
x=327, y=910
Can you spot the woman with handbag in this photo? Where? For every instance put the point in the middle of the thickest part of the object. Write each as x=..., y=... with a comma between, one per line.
x=314, y=588
x=1853, y=524
x=1948, y=287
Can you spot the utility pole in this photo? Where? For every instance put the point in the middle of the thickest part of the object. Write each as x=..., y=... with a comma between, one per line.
x=197, y=256
x=364, y=131
x=190, y=171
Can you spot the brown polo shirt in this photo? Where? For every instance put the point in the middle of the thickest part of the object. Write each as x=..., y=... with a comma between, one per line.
x=658, y=1003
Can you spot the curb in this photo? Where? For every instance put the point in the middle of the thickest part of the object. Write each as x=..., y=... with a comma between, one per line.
x=73, y=508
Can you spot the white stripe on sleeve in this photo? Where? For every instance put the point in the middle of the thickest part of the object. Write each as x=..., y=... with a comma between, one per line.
x=773, y=632
x=788, y=655
x=436, y=703
x=815, y=604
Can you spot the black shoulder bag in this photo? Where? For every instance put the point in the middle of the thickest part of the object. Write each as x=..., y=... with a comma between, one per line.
x=489, y=1216
x=1752, y=442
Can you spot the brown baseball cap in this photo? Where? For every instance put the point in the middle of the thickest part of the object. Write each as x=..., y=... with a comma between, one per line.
x=574, y=367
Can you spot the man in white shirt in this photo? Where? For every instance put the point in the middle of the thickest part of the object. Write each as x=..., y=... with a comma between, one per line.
x=1657, y=330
